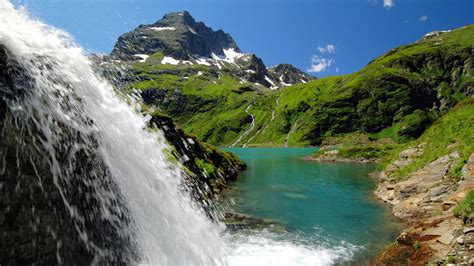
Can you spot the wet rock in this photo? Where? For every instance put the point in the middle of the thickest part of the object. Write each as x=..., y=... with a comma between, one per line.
x=51, y=215
x=237, y=221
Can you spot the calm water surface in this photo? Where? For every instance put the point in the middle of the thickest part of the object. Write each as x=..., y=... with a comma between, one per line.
x=322, y=202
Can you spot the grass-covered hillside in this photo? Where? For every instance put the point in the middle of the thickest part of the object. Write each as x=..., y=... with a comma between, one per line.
x=452, y=132
x=398, y=96
x=207, y=103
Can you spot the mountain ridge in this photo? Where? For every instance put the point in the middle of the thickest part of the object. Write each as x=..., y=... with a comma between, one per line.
x=177, y=39
x=398, y=94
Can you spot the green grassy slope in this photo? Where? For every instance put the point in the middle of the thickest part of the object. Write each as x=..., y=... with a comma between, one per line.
x=397, y=95
x=452, y=132
x=207, y=103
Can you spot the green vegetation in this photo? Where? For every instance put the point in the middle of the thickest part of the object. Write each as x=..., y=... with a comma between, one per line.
x=202, y=162
x=192, y=94
x=369, y=152
x=396, y=96
x=465, y=208
x=452, y=132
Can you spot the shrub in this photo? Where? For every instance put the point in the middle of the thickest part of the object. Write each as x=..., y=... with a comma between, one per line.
x=465, y=208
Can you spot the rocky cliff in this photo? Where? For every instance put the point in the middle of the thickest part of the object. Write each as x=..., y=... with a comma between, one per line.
x=178, y=40
x=177, y=35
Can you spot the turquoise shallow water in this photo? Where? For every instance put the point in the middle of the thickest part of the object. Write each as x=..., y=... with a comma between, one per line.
x=321, y=202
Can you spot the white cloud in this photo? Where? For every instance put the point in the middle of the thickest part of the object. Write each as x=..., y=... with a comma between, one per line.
x=319, y=64
x=388, y=3
x=423, y=18
x=329, y=48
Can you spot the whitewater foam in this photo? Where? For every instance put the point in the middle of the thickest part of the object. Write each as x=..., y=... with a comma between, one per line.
x=265, y=248
x=168, y=227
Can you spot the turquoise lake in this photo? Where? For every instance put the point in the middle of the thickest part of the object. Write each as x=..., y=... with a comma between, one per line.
x=330, y=203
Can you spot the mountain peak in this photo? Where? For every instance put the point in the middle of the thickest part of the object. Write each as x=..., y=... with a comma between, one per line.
x=179, y=39
x=288, y=75
x=177, y=35
x=176, y=18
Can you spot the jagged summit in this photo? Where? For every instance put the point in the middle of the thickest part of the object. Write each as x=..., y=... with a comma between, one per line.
x=183, y=17
x=288, y=75
x=177, y=35
x=177, y=39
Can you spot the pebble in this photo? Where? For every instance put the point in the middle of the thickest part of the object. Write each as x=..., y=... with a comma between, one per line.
x=468, y=229
x=460, y=240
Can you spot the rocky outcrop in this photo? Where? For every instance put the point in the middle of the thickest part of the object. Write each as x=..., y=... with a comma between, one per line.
x=209, y=170
x=332, y=156
x=288, y=75
x=425, y=201
x=177, y=39
x=177, y=35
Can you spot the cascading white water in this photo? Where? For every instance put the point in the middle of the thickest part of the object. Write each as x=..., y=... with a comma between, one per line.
x=167, y=227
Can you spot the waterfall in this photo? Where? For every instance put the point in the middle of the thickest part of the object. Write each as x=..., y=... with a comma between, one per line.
x=64, y=101
x=83, y=178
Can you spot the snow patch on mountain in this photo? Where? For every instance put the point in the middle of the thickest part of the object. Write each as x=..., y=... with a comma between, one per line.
x=162, y=28
x=142, y=57
x=436, y=33
x=203, y=61
x=283, y=82
x=269, y=80
x=169, y=60
x=231, y=55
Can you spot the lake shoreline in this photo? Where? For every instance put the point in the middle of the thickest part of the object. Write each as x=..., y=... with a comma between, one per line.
x=375, y=217
x=426, y=236
x=336, y=159
x=424, y=203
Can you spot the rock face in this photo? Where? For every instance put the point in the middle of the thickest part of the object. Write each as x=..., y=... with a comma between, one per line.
x=177, y=35
x=177, y=39
x=425, y=200
x=288, y=75
x=417, y=195
x=209, y=170
x=50, y=212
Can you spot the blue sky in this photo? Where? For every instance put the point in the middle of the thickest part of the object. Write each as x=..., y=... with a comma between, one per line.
x=325, y=37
